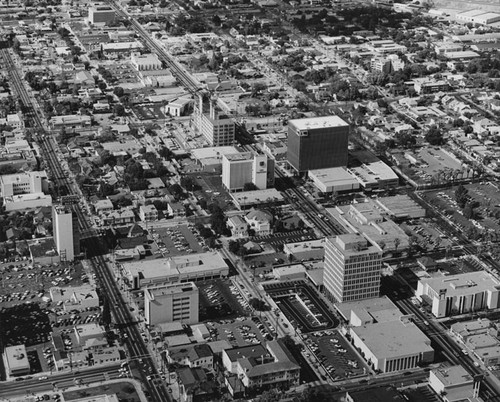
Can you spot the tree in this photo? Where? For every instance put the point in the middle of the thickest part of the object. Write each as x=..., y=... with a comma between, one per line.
x=461, y=196
x=119, y=110
x=188, y=183
x=469, y=212
x=434, y=136
x=119, y=91
x=106, y=313
x=259, y=304
x=249, y=187
x=176, y=190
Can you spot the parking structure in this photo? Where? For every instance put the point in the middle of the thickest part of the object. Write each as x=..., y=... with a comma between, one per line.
x=302, y=307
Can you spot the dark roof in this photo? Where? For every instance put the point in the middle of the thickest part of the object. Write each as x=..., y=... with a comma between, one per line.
x=246, y=352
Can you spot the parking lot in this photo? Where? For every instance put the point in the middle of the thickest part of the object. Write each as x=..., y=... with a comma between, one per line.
x=25, y=282
x=220, y=299
x=147, y=111
x=426, y=234
x=211, y=189
x=486, y=194
x=278, y=239
x=335, y=353
x=302, y=307
x=241, y=331
x=24, y=324
x=176, y=240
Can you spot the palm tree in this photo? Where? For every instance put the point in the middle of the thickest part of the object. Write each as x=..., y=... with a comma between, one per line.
x=397, y=242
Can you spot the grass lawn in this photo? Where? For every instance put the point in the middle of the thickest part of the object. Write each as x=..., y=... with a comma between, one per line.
x=123, y=390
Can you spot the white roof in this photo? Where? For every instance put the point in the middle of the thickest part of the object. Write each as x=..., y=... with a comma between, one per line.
x=463, y=284
x=393, y=339
x=318, y=122
x=213, y=152
x=16, y=357
x=333, y=176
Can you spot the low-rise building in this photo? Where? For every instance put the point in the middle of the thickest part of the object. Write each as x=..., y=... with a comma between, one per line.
x=238, y=226
x=460, y=294
x=103, y=206
x=16, y=360
x=334, y=180
x=23, y=183
x=258, y=366
x=181, y=268
x=260, y=222
x=453, y=383
x=197, y=355
x=148, y=213
x=74, y=297
x=392, y=345
x=306, y=250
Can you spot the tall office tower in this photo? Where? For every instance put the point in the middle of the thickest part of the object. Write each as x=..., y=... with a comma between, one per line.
x=66, y=232
x=352, y=268
x=170, y=303
x=246, y=167
x=317, y=143
x=217, y=127
x=101, y=14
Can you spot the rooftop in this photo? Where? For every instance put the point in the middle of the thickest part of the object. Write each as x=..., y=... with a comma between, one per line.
x=333, y=176
x=380, y=309
x=16, y=357
x=318, y=122
x=453, y=375
x=392, y=339
x=171, y=289
x=463, y=284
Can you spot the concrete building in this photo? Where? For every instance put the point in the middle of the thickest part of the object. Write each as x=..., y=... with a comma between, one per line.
x=16, y=360
x=23, y=183
x=476, y=16
x=387, y=64
x=145, y=62
x=375, y=394
x=306, y=250
x=460, y=294
x=317, y=143
x=238, y=226
x=392, y=345
x=197, y=355
x=101, y=14
x=334, y=180
x=26, y=201
x=247, y=167
x=181, y=268
x=170, y=303
x=258, y=366
x=213, y=124
x=74, y=297
x=453, y=383
x=66, y=232
x=352, y=268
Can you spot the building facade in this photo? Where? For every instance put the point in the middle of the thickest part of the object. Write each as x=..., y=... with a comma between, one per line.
x=317, y=143
x=352, y=268
x=23, y=183
x=101, y=14
x=66, y=233
x=171, y=303
x=217, y=128
x=242, y=168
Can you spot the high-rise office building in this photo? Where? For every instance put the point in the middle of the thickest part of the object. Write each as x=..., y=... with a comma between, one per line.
x=247, y=167
x=317, y=143
x=352, y=268
x=216, y=126
x=101, y=14
x=66, y=232
x=170, y=303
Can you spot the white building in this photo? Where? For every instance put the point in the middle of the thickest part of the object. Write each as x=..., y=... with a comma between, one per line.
x=148, y=213
x=16, y=360
x=75, y=297
x=334, y=180
x=453, y=383
x=217, y=127
x=238, y=226
x=242, y=168
x=145, y=62
x=27, y=201
x=392, y=345
x=387, y=64
x=260, y=222
x=101, y=14
x=171, y=303
x=352, y=268
x=23, y=183
x=181, y=268
x=460, y=294
x=66, y=236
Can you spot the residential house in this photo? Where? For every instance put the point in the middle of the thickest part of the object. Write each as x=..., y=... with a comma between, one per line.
x=238, y=226
x=260, y=222
x=194, y=385
x=197, y=355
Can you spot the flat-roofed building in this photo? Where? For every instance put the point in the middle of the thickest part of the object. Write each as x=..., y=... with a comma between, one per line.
x=145, y=62
x=101, y=14
x=334, y=180
x=98, y=398
x=171, y=303
x=246, y=167
x=460, y=294
x=454, y=383
x=182, y=268
x=23, y=183
x=317, y=143
x=375, y=394
x=16, y=360
x=401, y=207
x=75, y=297
x=352, y=268
x=375, y=175
x=364, y=312
x=306, y=250
x=247, y=199
x=392, y=345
